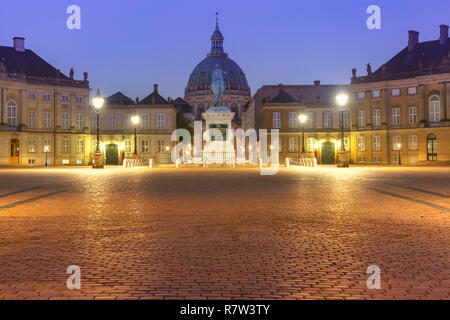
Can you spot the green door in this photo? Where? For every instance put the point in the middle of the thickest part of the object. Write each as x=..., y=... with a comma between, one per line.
x=112, y=154
x=328, y=156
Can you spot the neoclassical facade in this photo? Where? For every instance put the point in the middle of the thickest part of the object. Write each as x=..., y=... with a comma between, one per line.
x=198, y=91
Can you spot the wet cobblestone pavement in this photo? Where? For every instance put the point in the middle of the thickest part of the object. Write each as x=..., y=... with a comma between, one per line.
x=223, y=233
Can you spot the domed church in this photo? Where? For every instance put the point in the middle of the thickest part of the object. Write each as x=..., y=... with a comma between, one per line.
x=198, y=91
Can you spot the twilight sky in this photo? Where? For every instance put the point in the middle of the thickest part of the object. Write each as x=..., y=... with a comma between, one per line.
x=129, y=45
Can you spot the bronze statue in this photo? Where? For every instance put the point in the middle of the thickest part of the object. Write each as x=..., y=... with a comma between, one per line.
x=71, y=73
x=85, y=76
x=217, y=85
x=354, y=72
x=369, y=69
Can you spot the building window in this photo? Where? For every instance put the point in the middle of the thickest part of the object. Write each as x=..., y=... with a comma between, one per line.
x=65, y=146
x=47, y=96
x=46, y=120
x=413, y=159
x=32, y=96
x=47, y=145
x=12, y=114
x=65, y=120
x=396, y=143
x=395, y=92
x=347, y=144
x=31, y=161
x=293, y=144
x=80, y=146
x=327, y=119
x=361, y=95
x=127, y=145
x=412, y=142
x=161, y=144
x=65, y=161
x=376, y=143
x=292, y=120
x=161, y=121
x=79, y=121
x=79, y=161
x=31, y=145
x=276, y=120
x=65, y=98
x=431, y=147
x=311, y=120
x=435, y=109
x=412, y=115
x=361, y=143
x=412, y=90
x=145, y=121
x=310, y=144
x=144, y=146
x=346, y=119
x=395, y=116
x=361, y=119
x=376, y=94
x=111, y=122
x=79, y=99
x=376, y=121
x=31, y=119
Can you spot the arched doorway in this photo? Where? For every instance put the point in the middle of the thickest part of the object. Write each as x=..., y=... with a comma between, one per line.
x=431, y=147
x=328, y=153
x=112, y=154
x=15, y=149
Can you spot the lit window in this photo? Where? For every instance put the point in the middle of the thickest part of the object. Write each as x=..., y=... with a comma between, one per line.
x=395, y=92
x=376, y=143
x=161, y=145
x=47, y=145
x=79, y=161
x=361, y=143
x=31, y=161
x=276, y=120
x=80, y=146
x=396, y=143
x=65, y=161
x=127, y=144
x=412, y=143
x=31, y=145
x=413, y=159
x=66, y=146
x=144, y=146
x=12, y=114
x=310, y=144
x=412, y=115
x=293, y=144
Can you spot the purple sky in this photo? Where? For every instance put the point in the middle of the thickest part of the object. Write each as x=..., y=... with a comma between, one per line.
x=129, y=45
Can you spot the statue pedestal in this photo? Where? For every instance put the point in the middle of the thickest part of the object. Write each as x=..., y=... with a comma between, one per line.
x=98, y=161
x=342, y=159
x=219, y=139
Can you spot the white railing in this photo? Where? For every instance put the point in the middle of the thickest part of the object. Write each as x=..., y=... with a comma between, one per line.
x=302, y=162
x=137, y=163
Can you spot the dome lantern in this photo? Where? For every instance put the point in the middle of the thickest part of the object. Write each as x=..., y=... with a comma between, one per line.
x=217, y=39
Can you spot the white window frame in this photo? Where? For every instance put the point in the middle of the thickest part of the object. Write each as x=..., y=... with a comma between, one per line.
x=396, y=92
x=376, y=117
x=412, y=115
x=412, y=91
x=145, y=146
x=65, y=117
x=311, y=120
x=160, y=121
x=361, y=95
x=79, y=121
x=293, y=144
x=111, y=122
x=145, y=121
x=276, y=120
x=46, y=120
x=31, y=119
x=327, y=120
x=395, y=141
x=361, y=118
x=66, y=145
x=80, y=146
x=31, y=145
x=376, y=143
x=310, y=144
x=361, y=141
x=65, y=98
x=12, y=114
x=346, y=119
x=292, y=120
x=435, y=109
x=413, y=142
x=396, y=116
x=376, y=93
x=127, y=145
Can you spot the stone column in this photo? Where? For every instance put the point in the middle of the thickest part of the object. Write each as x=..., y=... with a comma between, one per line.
x=422, y=105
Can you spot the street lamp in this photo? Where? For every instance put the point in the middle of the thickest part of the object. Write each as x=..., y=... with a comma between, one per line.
x=302, y=118
x=399, y=147
x=46, y=150
x=341, y=100
x=98, y=101
x=135, y=120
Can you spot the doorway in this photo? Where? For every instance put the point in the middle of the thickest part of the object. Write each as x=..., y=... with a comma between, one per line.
x=15, y=149
x=328, y=154
x=112, y=154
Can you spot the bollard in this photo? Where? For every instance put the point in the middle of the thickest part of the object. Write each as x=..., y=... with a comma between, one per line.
x=287, y=162
x=150, y=163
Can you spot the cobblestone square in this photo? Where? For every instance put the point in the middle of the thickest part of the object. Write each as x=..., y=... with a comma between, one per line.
x=225, y=233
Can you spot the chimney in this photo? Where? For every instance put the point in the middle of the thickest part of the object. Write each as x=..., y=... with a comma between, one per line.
x=413, y=39
x=19, y=44
x=317, y=82
x=155, y=88
x=444, y=34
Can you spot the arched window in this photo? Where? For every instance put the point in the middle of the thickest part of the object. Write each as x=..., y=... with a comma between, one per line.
x=435, y=109
x=431, y=147
x=12, y=114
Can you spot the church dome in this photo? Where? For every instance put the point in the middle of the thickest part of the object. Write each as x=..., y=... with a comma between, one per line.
x=234, y=77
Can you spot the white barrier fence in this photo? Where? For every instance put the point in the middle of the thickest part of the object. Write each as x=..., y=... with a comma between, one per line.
x=302, y=162
x=137, y=163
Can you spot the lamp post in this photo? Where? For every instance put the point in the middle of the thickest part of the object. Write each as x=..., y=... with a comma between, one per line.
x=399, y=147
x=98, y=156
x=342, y=100
x=302, y=118
x=135, y=120
x=46, y=149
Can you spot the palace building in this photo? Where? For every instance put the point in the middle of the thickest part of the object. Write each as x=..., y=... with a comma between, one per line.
x=399, y=113
x=45, y=116
x=198, y=91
